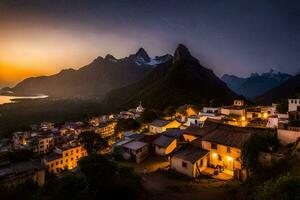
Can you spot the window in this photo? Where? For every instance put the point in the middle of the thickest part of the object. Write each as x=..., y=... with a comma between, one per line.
x=71, y=159
x=61, y=162
x=220, y=157
x=214, y=146
x=228, y=150
x=201, y=163
x=56, y=163
x=184, y=164
x=52, y=165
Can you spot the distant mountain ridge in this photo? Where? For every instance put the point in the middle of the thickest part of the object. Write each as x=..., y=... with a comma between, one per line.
x=180, y=81
x=288, y=89
x=256, y=84
x=94, y=79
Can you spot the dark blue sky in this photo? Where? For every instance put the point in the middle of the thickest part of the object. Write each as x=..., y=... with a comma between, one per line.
x=235, y=37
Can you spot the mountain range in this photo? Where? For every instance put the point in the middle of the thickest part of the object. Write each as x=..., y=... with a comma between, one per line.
x=94, y=79
x=288, y=89
x=179, y=81
x=256, y=84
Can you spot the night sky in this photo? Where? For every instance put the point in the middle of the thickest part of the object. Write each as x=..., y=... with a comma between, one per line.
x=236, y=37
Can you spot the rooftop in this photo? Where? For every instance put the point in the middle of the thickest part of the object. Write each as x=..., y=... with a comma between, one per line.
x=228, y=135
x=159, y=122
x=191, y=154
x=135, y=145
x=173, y=132
x=163, y=141
x=194, y=130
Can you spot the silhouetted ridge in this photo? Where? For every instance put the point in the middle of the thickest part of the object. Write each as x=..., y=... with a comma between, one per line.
x=176, y=82
x=143, y=54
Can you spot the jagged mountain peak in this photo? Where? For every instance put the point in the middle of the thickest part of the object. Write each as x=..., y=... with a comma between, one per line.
x=181, y=54
x=98, y=59
x=110, y=58
x=141, y=53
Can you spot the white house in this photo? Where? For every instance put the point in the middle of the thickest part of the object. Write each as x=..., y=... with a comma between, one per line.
x=164, y=145
x=190, y=161
x=159, y=126
x=293, y=104
x=135, y=150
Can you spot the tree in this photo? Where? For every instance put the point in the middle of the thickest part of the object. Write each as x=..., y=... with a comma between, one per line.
x=170, y=111
x=107, y=180
x=149, y=115
x=92, y=142
x=258, y=142
x=282, y=188
x=127, y=125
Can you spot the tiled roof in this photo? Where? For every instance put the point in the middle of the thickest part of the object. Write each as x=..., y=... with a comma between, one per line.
x=163, y=141
x=173, y=132
x=159, y=122
x=228, y=135
x=194, y=130
x=191, y=154
x=134, y=145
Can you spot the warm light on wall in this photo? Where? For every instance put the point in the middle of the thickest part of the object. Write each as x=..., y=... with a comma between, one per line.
x=243, y=118
x=265, y=115
x=214, y=155
x=229, y=158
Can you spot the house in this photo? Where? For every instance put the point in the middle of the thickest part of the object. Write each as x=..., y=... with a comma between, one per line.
x=233, y=110
x=106, y=129
x=42, y=144
x=134, y=150
x=46, y=126
x=159, y=126
x=22, y=172
x=190, y=161
x=224, y=144
x=294, y=104
x=238, y=102
x=164, y=145
x=185, y=111
x=37, y=142
x=174, y=133
x=64, y=158
x=210, y=111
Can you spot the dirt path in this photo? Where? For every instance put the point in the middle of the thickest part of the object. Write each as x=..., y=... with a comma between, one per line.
x=167, y=187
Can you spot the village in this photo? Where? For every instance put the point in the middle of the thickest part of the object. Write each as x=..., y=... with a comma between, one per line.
x=188, y=141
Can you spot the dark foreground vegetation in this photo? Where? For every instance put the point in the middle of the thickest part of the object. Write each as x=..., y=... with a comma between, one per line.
x=96, y=178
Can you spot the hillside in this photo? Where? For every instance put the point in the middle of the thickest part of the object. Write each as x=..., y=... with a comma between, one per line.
x=94, y=79
x=288, y=89
x=180, y=81
x=256, y=84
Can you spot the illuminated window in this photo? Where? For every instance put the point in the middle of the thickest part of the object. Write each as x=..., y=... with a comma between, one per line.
x=220, y=157
x=228, y=150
